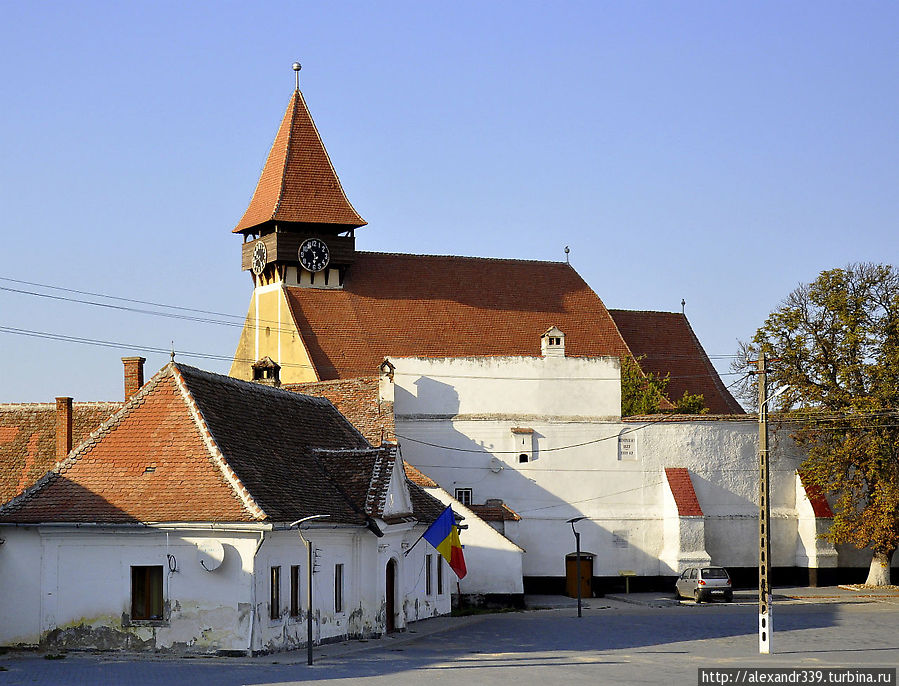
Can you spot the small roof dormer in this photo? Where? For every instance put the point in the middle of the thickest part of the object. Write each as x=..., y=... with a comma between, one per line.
x=552, y=343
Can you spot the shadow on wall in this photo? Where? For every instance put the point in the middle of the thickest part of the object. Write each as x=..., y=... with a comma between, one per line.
x=544, y=514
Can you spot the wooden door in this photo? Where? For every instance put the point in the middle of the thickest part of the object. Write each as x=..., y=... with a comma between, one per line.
x=574, y=576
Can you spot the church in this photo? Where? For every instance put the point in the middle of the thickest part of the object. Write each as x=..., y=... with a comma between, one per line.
x=500, y=380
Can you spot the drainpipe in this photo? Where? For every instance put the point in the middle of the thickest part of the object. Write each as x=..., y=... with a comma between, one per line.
x=253, y=594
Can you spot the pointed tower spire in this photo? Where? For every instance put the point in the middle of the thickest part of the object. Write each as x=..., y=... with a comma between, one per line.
x=298, y=185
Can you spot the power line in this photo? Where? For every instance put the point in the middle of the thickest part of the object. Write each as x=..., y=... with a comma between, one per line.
x=213, y=313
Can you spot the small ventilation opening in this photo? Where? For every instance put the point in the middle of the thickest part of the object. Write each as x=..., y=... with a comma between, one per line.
x=523, y=457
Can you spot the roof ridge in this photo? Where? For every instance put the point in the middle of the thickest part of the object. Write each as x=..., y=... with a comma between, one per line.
x=51, y=406
x=621, y=309
x=215, y=453
x=293, y=114
x=466, y=257
x=88, y=443
x=251, y=386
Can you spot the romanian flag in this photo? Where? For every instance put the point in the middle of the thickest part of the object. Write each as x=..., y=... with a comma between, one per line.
x=444, y=536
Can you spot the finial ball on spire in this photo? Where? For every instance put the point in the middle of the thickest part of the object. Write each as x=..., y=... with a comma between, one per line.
x=297, y=66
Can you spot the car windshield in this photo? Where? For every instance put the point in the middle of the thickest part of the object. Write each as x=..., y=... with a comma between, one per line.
x=714, y=573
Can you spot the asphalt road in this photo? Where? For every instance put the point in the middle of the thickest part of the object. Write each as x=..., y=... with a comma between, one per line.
x=657, y=641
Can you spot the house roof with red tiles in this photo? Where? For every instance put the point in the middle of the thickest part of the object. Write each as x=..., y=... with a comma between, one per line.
x=664, y=343
x=681, y=486
x=197, y=446
x=359, y=401
x=418, y=477
x=495, y=512
x=447, y=306
x=28, y=440
x=298, y=183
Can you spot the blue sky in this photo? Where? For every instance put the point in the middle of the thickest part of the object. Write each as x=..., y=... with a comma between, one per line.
x=716, y=152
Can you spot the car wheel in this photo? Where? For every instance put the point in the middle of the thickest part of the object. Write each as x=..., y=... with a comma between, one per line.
x=676, y=594
x=697, y=596
x=729, y=596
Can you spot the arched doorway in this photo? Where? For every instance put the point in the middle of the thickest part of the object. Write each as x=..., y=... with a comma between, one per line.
x=390, y=595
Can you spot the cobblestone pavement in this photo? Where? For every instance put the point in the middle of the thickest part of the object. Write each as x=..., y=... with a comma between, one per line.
x=647, y=639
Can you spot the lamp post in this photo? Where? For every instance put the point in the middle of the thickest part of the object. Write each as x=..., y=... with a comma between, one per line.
x=577, y=548
x=308, y=545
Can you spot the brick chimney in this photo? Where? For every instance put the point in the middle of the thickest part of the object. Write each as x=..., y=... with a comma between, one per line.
x=134, y=375
x=63, y=427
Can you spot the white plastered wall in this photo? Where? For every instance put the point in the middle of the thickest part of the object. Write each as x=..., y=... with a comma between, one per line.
x=466, y=409
x=492, y=561
x=811, y=549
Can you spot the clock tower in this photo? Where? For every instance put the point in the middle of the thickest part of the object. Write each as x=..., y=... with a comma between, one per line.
x=299, y=232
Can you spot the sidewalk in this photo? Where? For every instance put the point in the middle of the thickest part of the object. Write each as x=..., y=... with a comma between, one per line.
x=824, y=594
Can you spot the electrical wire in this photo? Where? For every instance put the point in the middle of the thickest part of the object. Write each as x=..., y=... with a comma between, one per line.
x=241, y=319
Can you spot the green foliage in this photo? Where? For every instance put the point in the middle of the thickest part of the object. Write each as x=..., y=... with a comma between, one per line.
x=836, y=347
x=645, y=393
x=691, y=403
x=640, y=394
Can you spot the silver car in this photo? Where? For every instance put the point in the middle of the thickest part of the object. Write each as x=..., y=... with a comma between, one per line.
x=704, y=583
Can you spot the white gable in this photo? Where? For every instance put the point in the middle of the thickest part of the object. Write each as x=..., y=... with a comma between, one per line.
x=397, y=501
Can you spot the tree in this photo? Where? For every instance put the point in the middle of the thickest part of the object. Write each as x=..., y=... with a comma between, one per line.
x=835, y=344
x=645, y=393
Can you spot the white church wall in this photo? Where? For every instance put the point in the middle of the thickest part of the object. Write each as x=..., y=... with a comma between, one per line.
x=553, y=386
x=455, y=418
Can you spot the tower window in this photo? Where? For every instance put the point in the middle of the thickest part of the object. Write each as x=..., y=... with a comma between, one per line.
x=523, y=457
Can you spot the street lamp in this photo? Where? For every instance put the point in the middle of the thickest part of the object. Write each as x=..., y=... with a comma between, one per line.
x=308, y=545
x=577, y=548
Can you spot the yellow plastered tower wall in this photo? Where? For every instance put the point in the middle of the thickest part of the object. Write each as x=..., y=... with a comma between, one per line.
x=270, y=331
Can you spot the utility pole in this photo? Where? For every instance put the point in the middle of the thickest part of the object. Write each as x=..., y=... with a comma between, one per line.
x=764, y=512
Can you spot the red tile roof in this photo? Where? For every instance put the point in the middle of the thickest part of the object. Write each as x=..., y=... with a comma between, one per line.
x=28, y=440
x=816, y=497
x=682, y=489
x=445, y=306
x=359, y=401
x=298, y=182
x=666, y=344
x=197, y=446
x=419, y=478
x=495, y=512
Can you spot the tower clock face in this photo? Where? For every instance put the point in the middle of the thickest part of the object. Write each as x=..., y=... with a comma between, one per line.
x=314, y=254
x=259, y=258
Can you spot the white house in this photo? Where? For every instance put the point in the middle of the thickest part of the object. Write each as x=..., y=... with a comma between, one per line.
x=169, y=528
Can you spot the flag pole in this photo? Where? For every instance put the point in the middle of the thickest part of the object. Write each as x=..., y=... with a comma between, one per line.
x=414, y=544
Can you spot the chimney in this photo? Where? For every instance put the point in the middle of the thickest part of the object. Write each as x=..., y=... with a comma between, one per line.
x=134, y=375
x=63, y=428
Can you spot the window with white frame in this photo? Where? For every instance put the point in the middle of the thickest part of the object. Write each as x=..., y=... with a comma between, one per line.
x=463, y=495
